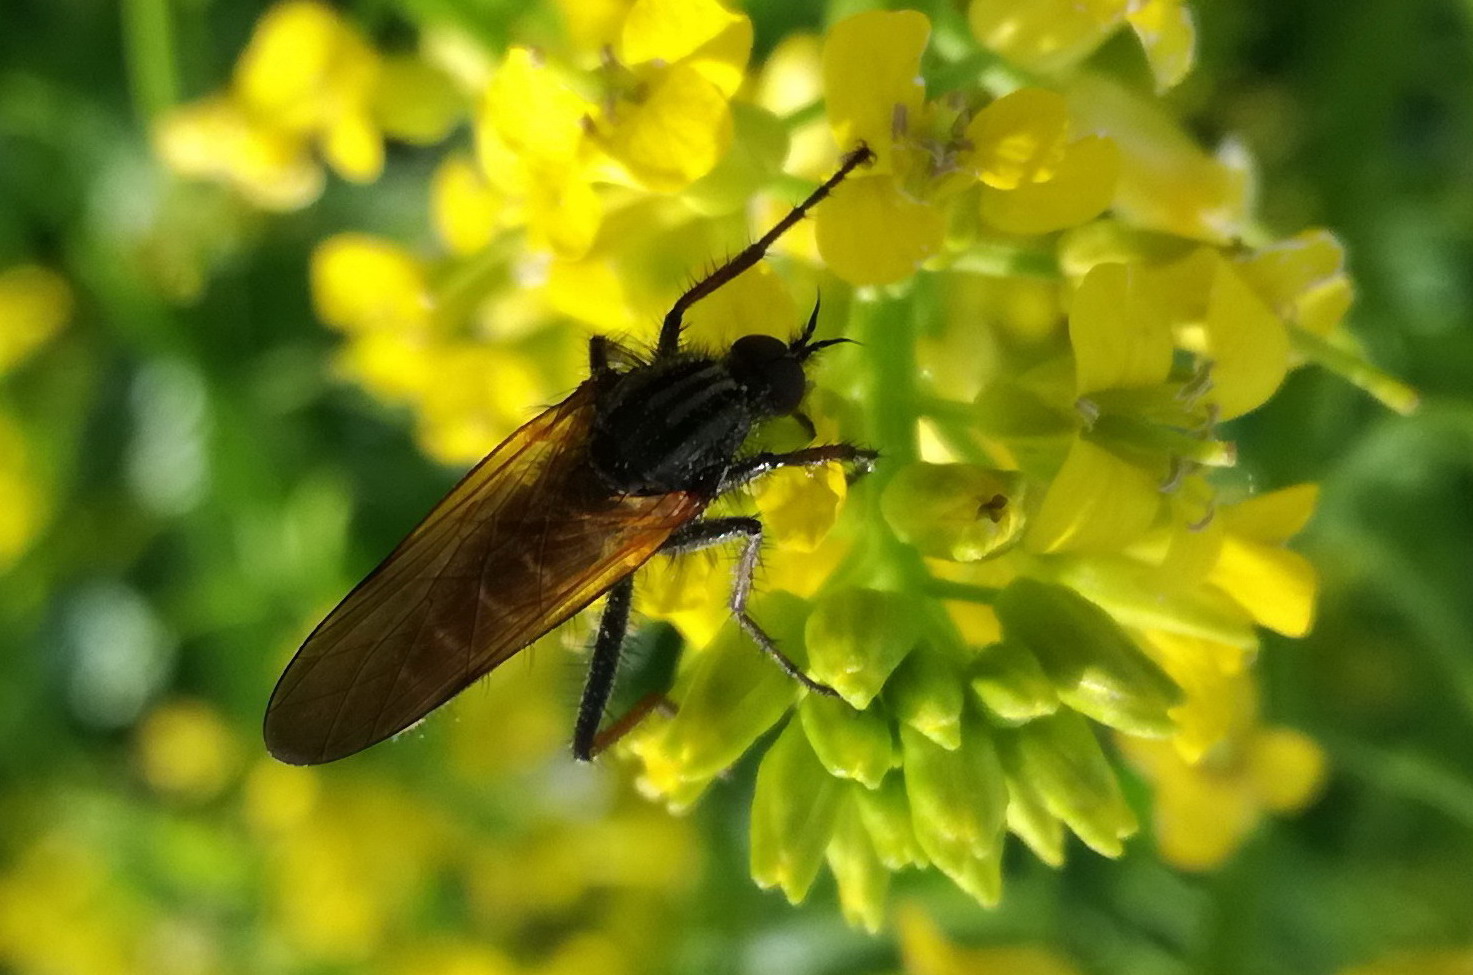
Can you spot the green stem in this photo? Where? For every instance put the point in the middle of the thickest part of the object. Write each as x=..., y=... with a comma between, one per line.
x=1392, y=392
x=148, y=44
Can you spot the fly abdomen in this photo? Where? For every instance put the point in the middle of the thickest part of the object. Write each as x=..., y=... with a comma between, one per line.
x=669, y=427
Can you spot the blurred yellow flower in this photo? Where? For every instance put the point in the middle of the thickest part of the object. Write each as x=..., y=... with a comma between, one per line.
x=1054, y=35
x=925, y=950
x=186, y=751
x=35, y=302
x=307, y=85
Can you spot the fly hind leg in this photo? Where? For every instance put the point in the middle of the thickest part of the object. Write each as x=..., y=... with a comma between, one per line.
x=717, y=531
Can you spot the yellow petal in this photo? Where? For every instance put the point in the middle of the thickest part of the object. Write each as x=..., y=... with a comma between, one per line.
x=1221, y=696
x=676, y=135
x=1272, y=518
x=1201, y=818
x=591, y=25
x=1097, y=502
x=870, y=233
x=800, y=505
x=871, y=68
x=533, y=110
x=1247, y=344
x=757, y=301
x=563, y=215
x=689, y=591
x=1044, y=35
x=927, y=952
x=1167, y=182
x=1287, y=768
x=716, y=40
x=353, y=147
x=1019, y=138
x=1082, y=189
x=364, y=284
x=592, y=292
x=185, y=750
x=792, y=75
x=1303, y=279
x=1276, y=586
x=464, y=208
x=215, y=139
x=35, y=302
x=1166, y=31
x=415, y=101
x=304, y=66
x=393, y=366
x=1118, y=331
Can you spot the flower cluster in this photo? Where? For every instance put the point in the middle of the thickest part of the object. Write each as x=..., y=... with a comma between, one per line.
x=1061, y=300
x=307, y=87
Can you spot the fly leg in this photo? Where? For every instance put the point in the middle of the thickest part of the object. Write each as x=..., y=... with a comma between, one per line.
x=669, y=342
x=601, y=670
x=745, y=471
x=716, y=531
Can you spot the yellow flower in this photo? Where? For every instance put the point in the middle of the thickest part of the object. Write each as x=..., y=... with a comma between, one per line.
x=656, y=115
x=1054, y=35
x=1035, y=176
x=185, y=750
x=307, y=85
x=1204, y=810
x=35, y=303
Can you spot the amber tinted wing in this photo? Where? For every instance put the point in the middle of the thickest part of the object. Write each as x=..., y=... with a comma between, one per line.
x=528, y=538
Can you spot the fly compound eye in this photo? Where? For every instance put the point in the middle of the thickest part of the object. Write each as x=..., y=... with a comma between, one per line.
x=766, y=366
x=755, y=351
x=785, y=384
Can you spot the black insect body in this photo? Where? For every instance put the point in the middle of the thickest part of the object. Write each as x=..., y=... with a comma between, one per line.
x=562, y=512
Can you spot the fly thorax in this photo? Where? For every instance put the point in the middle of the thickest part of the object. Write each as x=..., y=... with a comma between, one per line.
x=670, y=426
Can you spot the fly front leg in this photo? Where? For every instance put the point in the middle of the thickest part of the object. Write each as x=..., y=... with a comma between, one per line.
x=861, y=459
x=669, y=341
x=716, y=531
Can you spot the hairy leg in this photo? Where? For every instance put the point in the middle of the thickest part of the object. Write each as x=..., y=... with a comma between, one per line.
x=718, y=531
x=669, y=342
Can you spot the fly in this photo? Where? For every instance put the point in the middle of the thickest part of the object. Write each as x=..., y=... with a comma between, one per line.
x=564, y=511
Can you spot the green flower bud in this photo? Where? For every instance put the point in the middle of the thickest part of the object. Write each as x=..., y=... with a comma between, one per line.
x=851, y=744
x=733, y=693
x=794, y=808
x=1011, y=683
x=1095, y=667
x=1028, y=815
x=856, y=638
x=959, y=512
x=885, y=813
x=863, y=880
x=926, y=693
x=979, y=874
x=956, y=797
x=1060, y=758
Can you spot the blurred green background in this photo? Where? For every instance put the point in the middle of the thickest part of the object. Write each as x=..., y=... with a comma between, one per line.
x=196, y=488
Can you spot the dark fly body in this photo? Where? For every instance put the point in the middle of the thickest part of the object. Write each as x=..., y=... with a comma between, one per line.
x=561, y=513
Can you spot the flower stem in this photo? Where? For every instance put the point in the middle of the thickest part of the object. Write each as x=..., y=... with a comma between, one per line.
x=1351, y=367
x=148, y=44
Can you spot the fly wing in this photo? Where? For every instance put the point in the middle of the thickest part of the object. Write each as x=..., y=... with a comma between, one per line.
x=526, y=539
